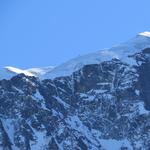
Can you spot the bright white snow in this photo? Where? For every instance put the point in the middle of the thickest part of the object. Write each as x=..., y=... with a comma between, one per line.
x=145, y=34
x=8, y=71
x=19, y=71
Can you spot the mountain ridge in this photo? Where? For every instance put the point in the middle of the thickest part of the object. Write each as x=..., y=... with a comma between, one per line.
x=120, y=51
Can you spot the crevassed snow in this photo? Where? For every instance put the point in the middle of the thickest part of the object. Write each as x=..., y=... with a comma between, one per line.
x=121, y=51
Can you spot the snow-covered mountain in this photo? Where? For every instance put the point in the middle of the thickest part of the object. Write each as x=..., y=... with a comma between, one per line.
x=120, y=51
x=99, y=101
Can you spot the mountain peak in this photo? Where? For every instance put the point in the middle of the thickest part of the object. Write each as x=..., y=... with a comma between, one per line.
x=146, y=33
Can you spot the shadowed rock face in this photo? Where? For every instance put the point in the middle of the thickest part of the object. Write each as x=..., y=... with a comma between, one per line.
x=144, y=79
x=143, y=59
x=100, y=102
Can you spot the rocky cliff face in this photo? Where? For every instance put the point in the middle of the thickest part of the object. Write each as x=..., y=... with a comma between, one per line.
x=102, y=106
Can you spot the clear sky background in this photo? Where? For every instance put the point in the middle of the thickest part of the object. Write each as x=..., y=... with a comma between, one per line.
x=36, y=33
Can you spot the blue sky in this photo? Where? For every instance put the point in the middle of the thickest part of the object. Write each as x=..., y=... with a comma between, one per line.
x=36, y=33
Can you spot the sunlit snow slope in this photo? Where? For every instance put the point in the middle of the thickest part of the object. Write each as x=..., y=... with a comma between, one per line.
x=121, y=51
x=8, y=72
